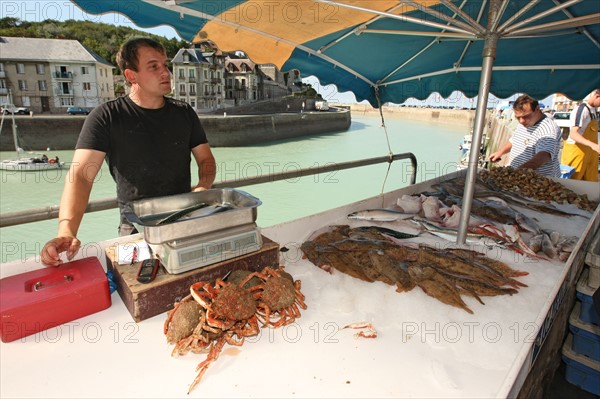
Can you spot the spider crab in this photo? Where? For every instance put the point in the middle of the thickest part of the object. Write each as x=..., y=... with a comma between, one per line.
x=227, y=312
x=210, y=317
x=279, y=297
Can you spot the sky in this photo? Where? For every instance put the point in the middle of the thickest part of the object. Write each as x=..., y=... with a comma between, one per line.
x=62, y=10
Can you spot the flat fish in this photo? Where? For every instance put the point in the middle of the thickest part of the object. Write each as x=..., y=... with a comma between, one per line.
x=410, y=203
x=380, y=215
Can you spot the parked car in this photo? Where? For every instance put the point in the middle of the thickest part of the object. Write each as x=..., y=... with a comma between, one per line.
x=562, y=120
x=77, y=111
x=13, y=109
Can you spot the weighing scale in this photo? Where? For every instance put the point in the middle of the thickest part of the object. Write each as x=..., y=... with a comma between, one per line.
x=194, y=252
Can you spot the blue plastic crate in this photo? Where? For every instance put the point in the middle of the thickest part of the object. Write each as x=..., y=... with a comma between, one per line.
x=584, y=294
x=580, y=371
x=586, y=336
x=566, y=171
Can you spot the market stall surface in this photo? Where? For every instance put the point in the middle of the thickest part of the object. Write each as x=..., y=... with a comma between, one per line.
x=424, y=348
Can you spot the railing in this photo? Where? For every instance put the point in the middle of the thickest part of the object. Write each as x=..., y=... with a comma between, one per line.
x=51, y=212
x=63, y=75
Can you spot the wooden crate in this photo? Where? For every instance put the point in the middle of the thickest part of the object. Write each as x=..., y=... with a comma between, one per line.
x=147, y=300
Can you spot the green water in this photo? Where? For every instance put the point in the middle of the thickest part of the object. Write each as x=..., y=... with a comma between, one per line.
x=434, y=145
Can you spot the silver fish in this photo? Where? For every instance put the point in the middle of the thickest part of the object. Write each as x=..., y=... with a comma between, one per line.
x=380, y=215
x=548, y=248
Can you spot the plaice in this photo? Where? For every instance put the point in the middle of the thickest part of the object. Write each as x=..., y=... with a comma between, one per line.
x=389, y=51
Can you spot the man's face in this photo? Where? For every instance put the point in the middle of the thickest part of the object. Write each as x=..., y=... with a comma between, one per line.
x=526, y=116
x=153, y=75
x=594, y=100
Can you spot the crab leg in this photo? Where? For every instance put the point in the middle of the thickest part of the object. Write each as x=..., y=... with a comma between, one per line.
x=370, y=333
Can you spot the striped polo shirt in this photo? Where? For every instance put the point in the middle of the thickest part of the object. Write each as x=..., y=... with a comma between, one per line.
x=543, y=136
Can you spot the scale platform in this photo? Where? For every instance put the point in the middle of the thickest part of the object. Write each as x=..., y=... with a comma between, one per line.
x=190, y=253
x=147, y=300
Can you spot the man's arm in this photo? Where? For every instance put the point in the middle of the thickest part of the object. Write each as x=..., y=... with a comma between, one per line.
x=537, y=160
x=207, y=167
x=495, y=157
x=579, y=139
x=74, y=200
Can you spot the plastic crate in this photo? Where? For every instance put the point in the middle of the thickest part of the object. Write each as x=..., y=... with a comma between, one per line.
x=584, y=294
x=586, y=336
x=566, y=171
x=592, y=259
x=580, y=371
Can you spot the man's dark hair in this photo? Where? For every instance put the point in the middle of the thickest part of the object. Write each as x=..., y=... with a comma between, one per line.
x=127, y=57
x=525, y=99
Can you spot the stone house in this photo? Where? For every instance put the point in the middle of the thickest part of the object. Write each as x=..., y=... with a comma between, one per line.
x=198, y=78
x=50, y=75
x=209, y=79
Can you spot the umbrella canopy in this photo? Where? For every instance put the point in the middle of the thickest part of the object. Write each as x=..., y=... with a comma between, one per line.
x=390, y=50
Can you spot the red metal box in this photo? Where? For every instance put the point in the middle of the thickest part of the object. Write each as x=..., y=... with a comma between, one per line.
x=41, y=299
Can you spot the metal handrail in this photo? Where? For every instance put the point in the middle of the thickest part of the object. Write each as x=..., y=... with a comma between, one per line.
x=51, y=212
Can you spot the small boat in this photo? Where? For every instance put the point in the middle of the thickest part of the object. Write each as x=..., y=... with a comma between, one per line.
x=465, y=148
x=27, y=163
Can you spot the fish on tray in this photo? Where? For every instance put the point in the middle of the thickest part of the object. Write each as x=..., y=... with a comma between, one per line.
x=443, y=273
x=380, y=215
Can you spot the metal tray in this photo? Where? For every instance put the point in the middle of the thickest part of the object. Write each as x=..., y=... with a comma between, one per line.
x=144, y=214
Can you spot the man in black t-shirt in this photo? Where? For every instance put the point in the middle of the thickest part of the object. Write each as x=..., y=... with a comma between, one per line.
x=147, y=140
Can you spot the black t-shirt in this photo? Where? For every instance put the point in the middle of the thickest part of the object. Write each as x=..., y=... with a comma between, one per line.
x=148, y=151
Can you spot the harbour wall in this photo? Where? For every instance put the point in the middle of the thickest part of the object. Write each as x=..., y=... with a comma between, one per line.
x=60, y=132
x=458, y=117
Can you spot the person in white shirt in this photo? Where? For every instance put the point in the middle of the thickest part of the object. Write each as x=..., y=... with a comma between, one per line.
x=535, y=144
x=581, y=148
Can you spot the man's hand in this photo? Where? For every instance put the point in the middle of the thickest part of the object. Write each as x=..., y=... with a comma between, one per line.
x=53, y=248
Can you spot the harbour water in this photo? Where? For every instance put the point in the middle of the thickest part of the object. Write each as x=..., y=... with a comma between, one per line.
x=434, y=145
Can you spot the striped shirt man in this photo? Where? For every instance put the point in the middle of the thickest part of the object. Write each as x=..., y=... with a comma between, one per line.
x=545, y=136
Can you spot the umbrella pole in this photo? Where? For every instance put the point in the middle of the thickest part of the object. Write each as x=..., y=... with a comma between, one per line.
x=489, y=55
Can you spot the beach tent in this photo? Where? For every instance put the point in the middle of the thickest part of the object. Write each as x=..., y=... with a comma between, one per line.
x=390, y=50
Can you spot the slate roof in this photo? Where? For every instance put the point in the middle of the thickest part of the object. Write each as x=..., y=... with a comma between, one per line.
x=196, y=56
x=47, y=50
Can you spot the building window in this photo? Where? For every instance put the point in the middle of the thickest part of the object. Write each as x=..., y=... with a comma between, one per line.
x=66, y=101
x=87, y=86
x=205, y=74
x=192, y=73
x=20, y=68
x=40, y=68
x=26, y=101
x=182, y=89
x=42, y=86
x=192, y=89
x=22, y=85
x=181, y=73
x=85, y=70
x=1, y=67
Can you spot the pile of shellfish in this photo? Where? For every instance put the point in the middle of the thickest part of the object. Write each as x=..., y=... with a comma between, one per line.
x=529, y=183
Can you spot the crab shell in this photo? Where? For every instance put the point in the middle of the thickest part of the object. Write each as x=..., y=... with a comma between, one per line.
x=182, y=321
x=234, y=303
x=278, y=292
